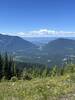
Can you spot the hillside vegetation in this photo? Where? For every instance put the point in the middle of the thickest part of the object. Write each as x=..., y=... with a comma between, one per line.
x=36, y=82
x=49, y=88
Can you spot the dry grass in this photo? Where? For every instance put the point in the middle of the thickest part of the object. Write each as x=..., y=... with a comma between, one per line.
x=55, y=88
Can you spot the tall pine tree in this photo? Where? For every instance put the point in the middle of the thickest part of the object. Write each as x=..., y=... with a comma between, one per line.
x=1, y=66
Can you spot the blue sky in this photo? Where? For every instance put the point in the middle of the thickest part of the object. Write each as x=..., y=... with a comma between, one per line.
x=23, y=16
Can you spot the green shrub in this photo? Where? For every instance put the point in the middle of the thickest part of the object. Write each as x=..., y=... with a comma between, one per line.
x=3, y=79
x=14, y=79
x=27, y=77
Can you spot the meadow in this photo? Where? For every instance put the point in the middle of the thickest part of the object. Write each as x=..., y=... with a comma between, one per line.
x=48, y=88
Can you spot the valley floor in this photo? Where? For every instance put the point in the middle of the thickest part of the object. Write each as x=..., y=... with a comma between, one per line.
x=49, y=88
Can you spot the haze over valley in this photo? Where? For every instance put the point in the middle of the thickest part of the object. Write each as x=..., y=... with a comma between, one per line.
x=45, y=51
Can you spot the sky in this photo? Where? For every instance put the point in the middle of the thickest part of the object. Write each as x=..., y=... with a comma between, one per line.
x=37, y=17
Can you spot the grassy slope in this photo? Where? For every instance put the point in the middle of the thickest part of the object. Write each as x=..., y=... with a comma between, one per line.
x=55, y=88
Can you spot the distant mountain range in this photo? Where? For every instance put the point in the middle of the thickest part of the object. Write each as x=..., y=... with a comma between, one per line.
x=53, y=52
x=14, y=43
x=40, y=41
x=60, y=50
x=60, y=45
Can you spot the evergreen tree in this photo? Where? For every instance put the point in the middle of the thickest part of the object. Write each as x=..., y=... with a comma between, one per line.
x=54, y=71
x=6, y=66
x=1, y=66
x=10, y=66
x=14, y=69
x=44, y=73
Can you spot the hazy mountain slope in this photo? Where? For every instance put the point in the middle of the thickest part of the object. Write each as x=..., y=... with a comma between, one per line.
x=14, y=43
x=40, y=41
x=60, y=45
x=52, y=53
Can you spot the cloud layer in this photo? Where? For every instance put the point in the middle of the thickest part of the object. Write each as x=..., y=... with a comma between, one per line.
x=43, y=33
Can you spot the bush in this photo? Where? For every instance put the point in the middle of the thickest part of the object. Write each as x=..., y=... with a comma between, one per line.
x=26, y=77
x=14, y=79
x=3, y=79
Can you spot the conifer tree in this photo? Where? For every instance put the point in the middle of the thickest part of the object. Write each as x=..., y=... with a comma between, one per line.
x=1, y=65
x=54, y=71
x=6, y=66
x=10, y=67
x=14, y=69
x=44, y=73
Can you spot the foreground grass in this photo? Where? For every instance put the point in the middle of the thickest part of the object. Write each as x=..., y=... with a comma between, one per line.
x=55, y=88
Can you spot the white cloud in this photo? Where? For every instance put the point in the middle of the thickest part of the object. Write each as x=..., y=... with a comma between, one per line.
x=43, y=33
x=46, y=32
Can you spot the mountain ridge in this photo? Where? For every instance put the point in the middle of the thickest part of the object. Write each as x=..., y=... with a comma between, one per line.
x=13, y=43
